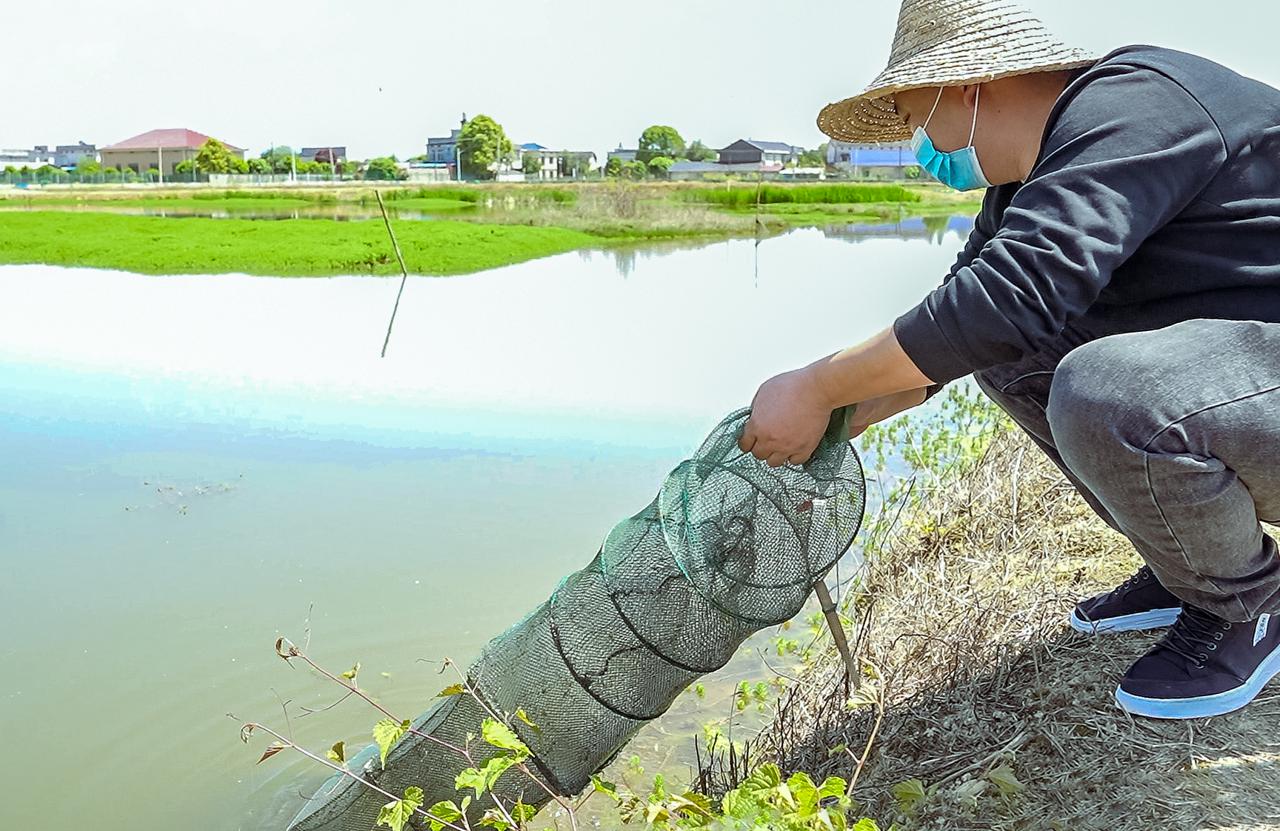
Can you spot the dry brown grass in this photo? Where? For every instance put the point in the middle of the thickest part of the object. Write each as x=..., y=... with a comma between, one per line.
x=967, y=607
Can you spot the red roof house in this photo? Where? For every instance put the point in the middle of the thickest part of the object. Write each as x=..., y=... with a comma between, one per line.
x=177, y=138
x=162, y=149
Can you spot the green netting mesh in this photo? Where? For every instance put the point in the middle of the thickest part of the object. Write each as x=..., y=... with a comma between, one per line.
x=727, y=547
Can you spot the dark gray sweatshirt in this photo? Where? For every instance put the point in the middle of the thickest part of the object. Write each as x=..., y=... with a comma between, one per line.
x=1155, y=199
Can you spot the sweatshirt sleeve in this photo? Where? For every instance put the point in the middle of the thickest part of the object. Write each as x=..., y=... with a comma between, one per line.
x=1126, y=155
x=979, y=235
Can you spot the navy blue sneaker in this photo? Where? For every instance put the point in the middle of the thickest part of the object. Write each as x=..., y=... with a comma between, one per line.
x=1138, y=603
x=1204, y=666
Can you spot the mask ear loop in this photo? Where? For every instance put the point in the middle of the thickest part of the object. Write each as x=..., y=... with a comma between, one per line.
x=935, y=109
x=977, y=96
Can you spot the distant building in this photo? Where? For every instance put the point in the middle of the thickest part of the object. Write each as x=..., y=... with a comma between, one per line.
x=873, y=161
x=333, y=154
x=749, y=151
x=39, y=156
x=444, y=149
x=161, y=149
x=622, y=155
x=556, y=164
x=70, y=155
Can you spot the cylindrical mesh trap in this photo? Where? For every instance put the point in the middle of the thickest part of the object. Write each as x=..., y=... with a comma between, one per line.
x=727, y=547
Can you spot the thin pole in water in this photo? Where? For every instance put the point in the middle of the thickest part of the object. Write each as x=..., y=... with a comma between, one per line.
x=404, y=272
x=837, y=629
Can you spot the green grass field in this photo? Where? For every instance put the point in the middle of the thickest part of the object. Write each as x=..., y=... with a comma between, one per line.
x=155, y=245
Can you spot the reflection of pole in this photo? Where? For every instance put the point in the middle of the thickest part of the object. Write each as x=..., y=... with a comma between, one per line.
x=404, y=272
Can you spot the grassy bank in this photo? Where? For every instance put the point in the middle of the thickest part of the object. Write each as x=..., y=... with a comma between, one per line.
x=489, y=225
x=153, y=245
x=749, y=195
x=984, y=710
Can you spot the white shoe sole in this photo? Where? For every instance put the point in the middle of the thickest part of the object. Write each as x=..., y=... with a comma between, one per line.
x=1205, y=705
x=1153, y=619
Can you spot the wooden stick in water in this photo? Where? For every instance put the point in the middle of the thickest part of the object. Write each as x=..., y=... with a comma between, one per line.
x=404, y=272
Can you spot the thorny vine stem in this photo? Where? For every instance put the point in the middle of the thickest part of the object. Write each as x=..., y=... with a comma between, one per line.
x=287, y=650
x=246, y=730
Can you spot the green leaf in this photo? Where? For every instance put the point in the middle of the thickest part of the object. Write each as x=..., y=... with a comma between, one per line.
x=470, y=778
x=692, y=802
x=395, y=814
x=909, y=794
x=865, y=824
x=493, y=818
x=607, y=788
x=804, y=792
x=763, y=778
x=522, y=813
x=386, y=733
x=351, y=674
x=500, y=735
x=453, y=689
x=1004, y=779
x=338, y=753
x=523, y=716
x=443, y=812
x=483, y=779
x=834, y=786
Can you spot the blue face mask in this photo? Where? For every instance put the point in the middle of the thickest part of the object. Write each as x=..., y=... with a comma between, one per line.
x=958, y=169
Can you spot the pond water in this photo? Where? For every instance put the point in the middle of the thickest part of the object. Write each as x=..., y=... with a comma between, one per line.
x=195, y=465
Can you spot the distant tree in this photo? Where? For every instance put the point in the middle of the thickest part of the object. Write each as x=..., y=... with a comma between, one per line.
x=88, y=166
x=153, y=173
x=613, y=167
x=184, y=167
x=214, y=157
x=814, y=158
x=259, y=166
x=635, y=170
x=279, y=158
x=577, y=164
x=661, y=165
x=531, y=164
x=699, y=152
x=484, y=147
x=659, y=140
x=383, y=168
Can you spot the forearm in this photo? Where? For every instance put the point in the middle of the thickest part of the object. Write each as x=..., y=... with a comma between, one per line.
x=875, y=368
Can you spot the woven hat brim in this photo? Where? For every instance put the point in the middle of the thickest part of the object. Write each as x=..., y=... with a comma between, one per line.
x=872, y=115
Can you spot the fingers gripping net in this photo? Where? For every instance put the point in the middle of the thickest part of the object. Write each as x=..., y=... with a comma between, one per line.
x=727, y=547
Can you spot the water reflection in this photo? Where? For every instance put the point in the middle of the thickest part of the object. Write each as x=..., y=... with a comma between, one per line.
x=933, y=229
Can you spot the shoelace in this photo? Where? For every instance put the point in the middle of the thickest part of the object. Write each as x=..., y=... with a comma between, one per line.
x=1194, y=635
x=1143, y=575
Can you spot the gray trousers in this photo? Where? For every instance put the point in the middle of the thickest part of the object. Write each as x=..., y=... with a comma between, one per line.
x=1173, y=437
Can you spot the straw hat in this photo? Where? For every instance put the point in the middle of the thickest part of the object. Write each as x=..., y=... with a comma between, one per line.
x=948, y=43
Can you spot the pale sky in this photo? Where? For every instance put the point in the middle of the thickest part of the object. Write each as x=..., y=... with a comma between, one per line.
x=380, y=77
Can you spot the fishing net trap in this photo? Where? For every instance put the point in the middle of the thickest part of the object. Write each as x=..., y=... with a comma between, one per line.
x=727, y=547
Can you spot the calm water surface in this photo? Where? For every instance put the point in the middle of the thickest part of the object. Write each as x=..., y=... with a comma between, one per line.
x=195, y=465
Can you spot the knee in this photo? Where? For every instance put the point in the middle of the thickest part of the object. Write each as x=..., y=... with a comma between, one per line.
x=1094, y=399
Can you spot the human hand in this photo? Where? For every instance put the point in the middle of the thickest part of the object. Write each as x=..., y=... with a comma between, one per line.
x=789, y=414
